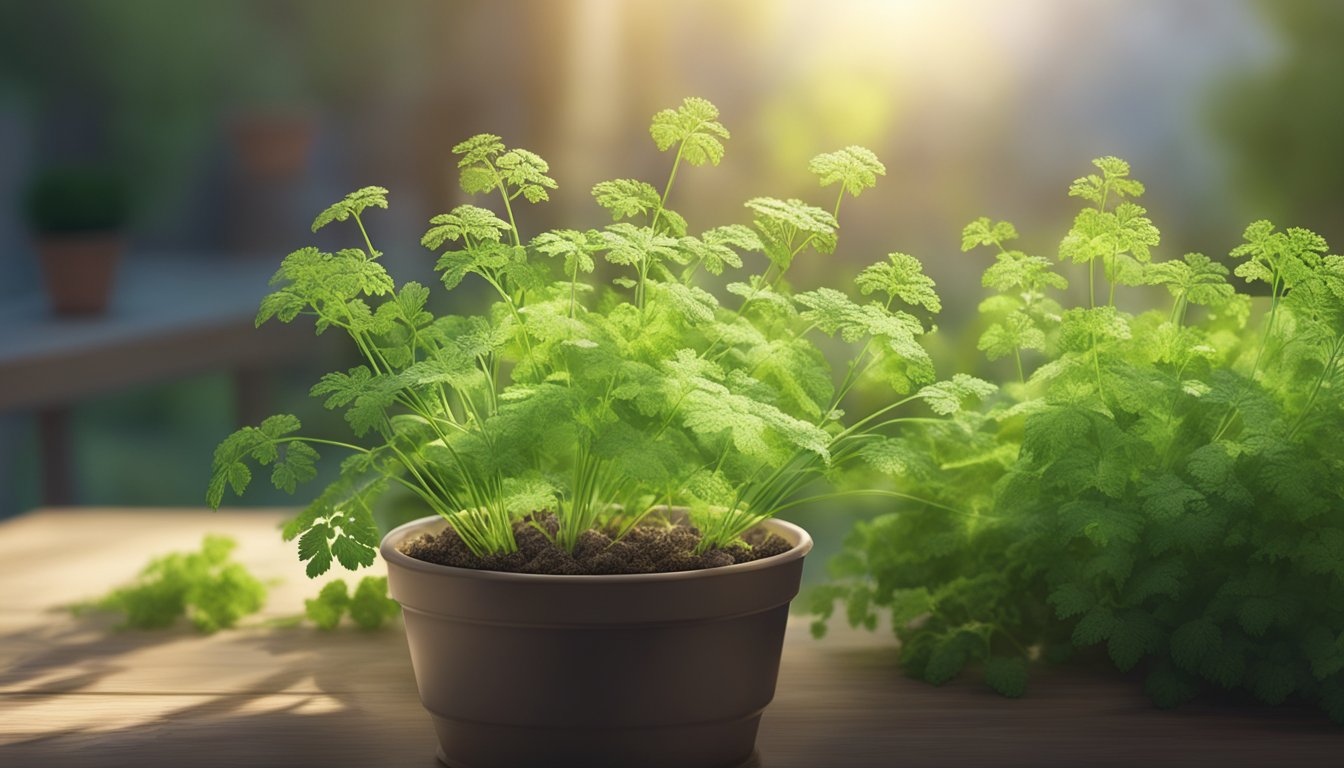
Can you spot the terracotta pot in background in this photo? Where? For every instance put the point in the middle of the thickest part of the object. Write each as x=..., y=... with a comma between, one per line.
x=273, y=146
x=79, y=270
x=660, y=670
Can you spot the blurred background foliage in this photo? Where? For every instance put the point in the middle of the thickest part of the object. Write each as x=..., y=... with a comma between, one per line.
x=1280, y=125
x=1228, y=109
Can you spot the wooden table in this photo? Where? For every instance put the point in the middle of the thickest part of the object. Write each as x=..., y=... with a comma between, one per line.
x=73, y=692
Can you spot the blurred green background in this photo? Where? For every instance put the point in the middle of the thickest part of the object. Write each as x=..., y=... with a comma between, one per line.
x=231, y=122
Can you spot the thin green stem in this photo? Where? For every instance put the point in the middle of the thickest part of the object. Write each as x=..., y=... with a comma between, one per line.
x=1269, y=325
x=667, y=188
x=1092, y=284
x=1178, y=310
x=373, y=255
x=508, y=208
x=906, y=420
x=1092, y=335
x=882, y=492
x=1230, y=417
x=517, y=317
x=337, y=443
x=874, y=415
x=1326, y=372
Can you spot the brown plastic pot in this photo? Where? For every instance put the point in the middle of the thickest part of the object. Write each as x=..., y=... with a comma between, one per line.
x=665, y=670
x=78, y=270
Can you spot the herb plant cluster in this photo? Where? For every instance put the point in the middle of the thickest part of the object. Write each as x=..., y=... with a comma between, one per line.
x=1165, y=487
x=207, y=587
x=616, y=370
x=368, y=606
x=213, y=591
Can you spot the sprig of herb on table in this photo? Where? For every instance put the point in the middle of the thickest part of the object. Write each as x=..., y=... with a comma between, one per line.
x=369, y=606
x=207, y=587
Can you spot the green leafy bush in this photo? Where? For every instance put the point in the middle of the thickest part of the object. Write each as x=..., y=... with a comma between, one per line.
x=207, y=587
x=594, y=398
x=1166, y=486
x=77, y=200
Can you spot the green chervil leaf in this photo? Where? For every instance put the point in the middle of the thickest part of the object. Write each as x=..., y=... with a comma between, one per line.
x=948, y=397
x=982, y=231
x=465, y=222
x=577, y=248
x=1111, y=184
x=694, y=127
x=626, y=198
x=855, y=168
x=787, y=226
x=1007, y=676
x=478, y=149
x=900, y=277
x=1197, y=279
x=329, y=606
x=369, y=607
x=352, y=204
x=526, y=172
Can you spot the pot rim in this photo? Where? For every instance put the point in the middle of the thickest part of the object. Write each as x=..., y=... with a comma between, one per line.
x=395, y=557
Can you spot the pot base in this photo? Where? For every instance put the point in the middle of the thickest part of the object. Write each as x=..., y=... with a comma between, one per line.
x=752, y=762
x=639, y=752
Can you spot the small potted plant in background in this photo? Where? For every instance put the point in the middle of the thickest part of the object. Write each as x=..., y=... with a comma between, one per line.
x=601, y=581
x=271, y=125
x=77, y=216
x=272, y=143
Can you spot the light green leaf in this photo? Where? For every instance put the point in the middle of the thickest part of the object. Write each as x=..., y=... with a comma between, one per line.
x=695, y=126
x=900, y=277
x=856, y=168
x=352, y=204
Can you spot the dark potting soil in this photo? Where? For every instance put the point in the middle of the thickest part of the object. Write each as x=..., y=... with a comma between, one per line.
x=649, y=548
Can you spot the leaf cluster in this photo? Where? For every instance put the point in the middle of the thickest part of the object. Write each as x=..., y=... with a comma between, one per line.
x=695, y=378
x=207, y=587
x=368, y=606
x=1161, y=488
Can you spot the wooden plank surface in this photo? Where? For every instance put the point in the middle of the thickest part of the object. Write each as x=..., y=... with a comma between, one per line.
x=75, y=692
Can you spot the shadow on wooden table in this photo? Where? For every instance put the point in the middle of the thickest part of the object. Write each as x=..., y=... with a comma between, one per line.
x=70, y=656
x=77, y=694
x=82, y=694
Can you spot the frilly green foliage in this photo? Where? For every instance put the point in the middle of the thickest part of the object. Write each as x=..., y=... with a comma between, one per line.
x=596, y=400
x=693, y=128
x=1165, y=485
x=206, y=587
x=353, y=204
x=856, y=168
x=369, y=607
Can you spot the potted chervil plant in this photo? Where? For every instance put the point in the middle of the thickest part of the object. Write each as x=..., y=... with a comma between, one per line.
x=1161, y=490
x=599, y=580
